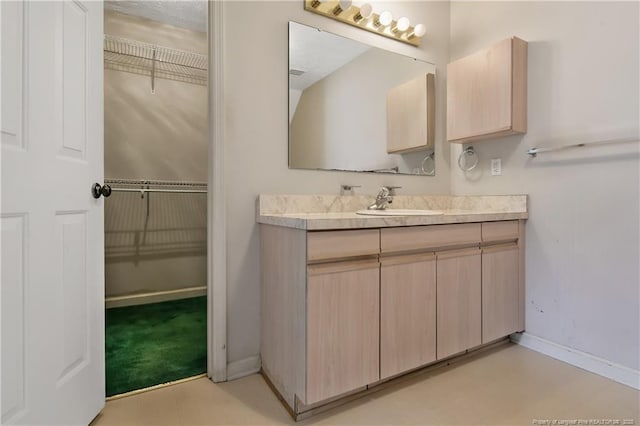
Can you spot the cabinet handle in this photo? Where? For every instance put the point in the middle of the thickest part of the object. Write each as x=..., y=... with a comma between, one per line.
x=500, y=247
x=458, y=253
x=407, y=258
x=335, y=267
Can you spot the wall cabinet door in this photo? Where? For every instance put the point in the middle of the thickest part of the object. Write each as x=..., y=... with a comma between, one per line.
x=411, y=115
x=458, y=301
x=343, y=334
x=499, y=291
x=407, y=313
x=487, y=93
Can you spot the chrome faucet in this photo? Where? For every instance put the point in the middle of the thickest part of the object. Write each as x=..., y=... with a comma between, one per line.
x=384, y=198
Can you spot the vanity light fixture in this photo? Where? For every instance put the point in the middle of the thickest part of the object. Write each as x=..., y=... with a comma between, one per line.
x=364, y=18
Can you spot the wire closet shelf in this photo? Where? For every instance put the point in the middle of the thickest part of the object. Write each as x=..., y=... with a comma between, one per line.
x=146, y=186
x=155, y=61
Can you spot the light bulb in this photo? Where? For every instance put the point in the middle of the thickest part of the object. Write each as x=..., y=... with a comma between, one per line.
x=386, y=18
x=402, y=25
x=341, y=7
x=365, y=11
x=419, y=30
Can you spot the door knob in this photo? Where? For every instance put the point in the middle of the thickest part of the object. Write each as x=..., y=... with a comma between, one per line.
x=97, y=190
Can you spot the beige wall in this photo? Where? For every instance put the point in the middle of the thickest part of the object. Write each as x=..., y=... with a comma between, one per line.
x=582, y=235
x=156, y=243
x=256, y=127
x=341, y=121
x=161, y=135
x=582, y=247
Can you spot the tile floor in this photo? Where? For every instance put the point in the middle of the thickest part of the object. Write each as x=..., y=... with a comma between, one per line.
x=509, y=385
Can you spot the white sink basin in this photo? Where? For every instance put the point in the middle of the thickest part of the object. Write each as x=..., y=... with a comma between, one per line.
x=399, y=212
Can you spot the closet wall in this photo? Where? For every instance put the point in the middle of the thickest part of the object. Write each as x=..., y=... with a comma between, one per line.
x=157, y=243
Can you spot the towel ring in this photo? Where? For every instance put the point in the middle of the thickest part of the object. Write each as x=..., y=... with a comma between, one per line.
x=432, y=170
x=464, y=158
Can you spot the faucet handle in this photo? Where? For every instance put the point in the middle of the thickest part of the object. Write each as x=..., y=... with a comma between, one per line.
x=392, y=189
x=348, y=188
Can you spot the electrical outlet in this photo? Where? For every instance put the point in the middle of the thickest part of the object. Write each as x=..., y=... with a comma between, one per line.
x=496, y=166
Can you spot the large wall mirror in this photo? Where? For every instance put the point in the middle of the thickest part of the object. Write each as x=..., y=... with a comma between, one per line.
x=342, y=94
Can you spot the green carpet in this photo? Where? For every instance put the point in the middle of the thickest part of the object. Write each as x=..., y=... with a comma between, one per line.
x=151, y=344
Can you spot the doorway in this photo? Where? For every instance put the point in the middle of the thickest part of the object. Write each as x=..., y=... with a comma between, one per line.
x=156, y=163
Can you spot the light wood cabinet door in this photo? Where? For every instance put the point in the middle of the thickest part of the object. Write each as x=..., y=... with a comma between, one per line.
x=343, y=334
x=336, y=245
x=407, y=313
x=499, y=291
x=458, y=301
x=487, y=93
x=411, y=115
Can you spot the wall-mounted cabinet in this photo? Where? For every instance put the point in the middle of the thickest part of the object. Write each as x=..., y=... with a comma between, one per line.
x=411, y=115
x=487, y=93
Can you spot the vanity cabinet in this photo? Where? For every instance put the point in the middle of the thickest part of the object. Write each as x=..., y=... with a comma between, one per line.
x=499, y=291
x=411, y=115
x=407, y=313
x=346, y=310
x=342, y=312
x=343, y=340
x=487, y=93
x=458, y=290
x=459, y=301
x=500, y=279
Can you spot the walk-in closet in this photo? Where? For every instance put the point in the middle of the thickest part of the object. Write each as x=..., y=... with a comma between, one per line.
x=155, y=143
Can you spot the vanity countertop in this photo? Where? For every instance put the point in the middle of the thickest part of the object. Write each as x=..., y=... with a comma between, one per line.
x=324, y=212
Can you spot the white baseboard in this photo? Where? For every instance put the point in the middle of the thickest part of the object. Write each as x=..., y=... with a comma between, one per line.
x=619, y=373
x=243, y=367
x=155, y=297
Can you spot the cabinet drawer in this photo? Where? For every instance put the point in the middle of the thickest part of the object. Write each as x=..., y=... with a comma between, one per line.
x=428, y=237
x=500, y=231
x=323, y=245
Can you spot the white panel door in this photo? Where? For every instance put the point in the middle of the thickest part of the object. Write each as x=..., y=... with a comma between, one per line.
x=52, y=255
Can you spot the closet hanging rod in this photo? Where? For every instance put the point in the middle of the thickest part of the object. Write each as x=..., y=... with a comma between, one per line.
x=145, y=190
x=534, y=151
x=147, y=183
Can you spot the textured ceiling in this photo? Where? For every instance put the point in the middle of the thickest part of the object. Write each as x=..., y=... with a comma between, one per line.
x=191, y=15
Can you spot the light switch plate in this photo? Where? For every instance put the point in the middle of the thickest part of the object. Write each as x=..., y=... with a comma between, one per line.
x=496, y=167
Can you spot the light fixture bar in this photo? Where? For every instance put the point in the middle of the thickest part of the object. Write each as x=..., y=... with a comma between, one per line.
x=352, y=16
